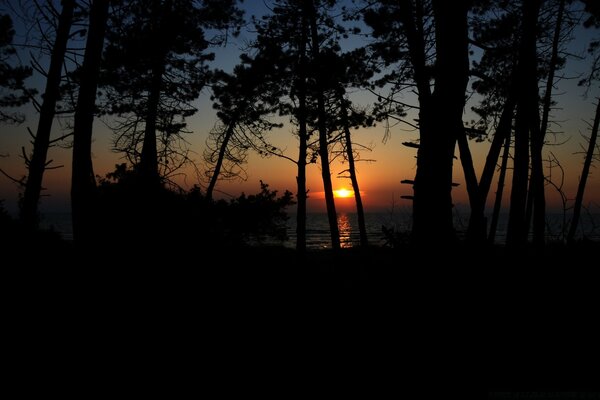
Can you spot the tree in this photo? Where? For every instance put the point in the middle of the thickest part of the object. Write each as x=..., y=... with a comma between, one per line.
x=407, y=37
x=318, y=91
x=83, y=182
x=584, y=175
x=243, y=101
x=156, y=65
x=349, y=156
x=593, y=20
x=12, y=78
x=37, y=162
x=526, y=123
x=292, y=39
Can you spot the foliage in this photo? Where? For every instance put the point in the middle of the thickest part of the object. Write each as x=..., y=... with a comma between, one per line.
x=130, y=212
x=12, y=89
x=162, y=46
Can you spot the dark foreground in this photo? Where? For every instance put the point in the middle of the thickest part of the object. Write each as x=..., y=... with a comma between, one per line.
x=457, y=318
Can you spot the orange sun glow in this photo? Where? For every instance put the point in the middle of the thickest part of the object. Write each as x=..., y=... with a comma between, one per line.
x=343, y=193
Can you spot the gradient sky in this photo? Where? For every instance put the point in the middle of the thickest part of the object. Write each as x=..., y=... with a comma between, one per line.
x=379, y=180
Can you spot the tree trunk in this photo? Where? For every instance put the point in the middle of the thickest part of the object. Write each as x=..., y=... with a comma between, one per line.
x=536, y=200
x=432, y=207
x=149, y=158
x=527, y=106
x=502, y=134
x=219, y=164
x=303, y=145
x=499, y=191
x=360, y=213
x=37, y=163
x=584, y=175
x=322, y=127
x=83, y=183
x=477, y=224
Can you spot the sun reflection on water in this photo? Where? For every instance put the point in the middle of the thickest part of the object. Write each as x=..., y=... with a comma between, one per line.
x=345, y=231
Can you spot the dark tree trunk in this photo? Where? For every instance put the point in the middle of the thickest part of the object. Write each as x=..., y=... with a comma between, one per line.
x=477, y=229
x=360, y=212
x=219, y=163
x=499, y=191
x=149, y=157
x=440, y=125
x=37, y=163
x=83, y=183
x=303, y=145
x=322, y=127
x=584, y=175
x=501, y=136
x=527, y=107
x=536, y=200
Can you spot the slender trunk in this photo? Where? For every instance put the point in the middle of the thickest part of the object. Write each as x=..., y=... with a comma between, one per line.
x=37, y=162
x=303, y=145
x=527, y=106
x=432, y=207
x=149, y=156
x=584, y=175
x=323, y=137
x=536, y=186
x=502, y=134
x=477, y=229
x=83, y=183
x=536, y=200
x=219, y=163
x=499, y=191
x=360, y=213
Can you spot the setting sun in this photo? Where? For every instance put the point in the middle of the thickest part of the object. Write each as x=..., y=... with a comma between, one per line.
x=343, y=193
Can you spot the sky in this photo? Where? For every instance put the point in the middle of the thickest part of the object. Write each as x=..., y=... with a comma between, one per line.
x=379, y=179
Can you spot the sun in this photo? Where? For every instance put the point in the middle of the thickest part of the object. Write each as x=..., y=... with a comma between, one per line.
x=343, y=193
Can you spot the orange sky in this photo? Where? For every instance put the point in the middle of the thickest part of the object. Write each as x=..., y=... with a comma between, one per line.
x=379, y=180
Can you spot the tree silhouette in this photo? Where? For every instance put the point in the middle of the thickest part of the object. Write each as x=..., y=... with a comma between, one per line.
x=83, y=181
x=282, y=38
x=350, y=158
x=423, y=51
x=495, y=31
x=593, y=8
x=347, y=71
x=37, y=162
x=526, y=123
x=155, y=67
x=243, y=101
x=584, y=176
x=12, y=78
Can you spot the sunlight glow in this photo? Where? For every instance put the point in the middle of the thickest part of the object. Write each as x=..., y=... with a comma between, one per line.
x=343, y=193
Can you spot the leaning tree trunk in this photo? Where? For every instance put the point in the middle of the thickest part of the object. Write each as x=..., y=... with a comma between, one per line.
x=476, y=230
x=360, y=212
x=322, y=127
x=220, y=158
x=83, y=183
x=584, y=175
x=502, y=134
x=37, y=163
x=499, y=191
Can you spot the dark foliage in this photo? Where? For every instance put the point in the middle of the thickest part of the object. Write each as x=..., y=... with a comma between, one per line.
x=131, y=212
x=12, y=89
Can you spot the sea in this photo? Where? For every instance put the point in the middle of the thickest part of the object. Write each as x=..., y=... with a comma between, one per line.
x=318, y=237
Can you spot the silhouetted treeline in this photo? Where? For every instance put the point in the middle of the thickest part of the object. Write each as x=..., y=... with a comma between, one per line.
x=142, y=65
